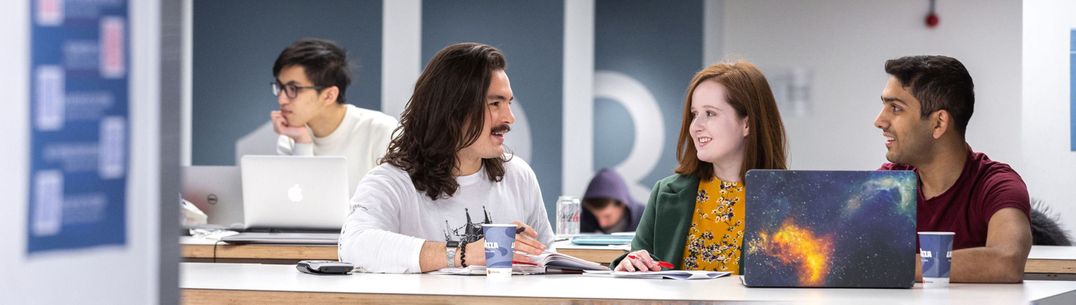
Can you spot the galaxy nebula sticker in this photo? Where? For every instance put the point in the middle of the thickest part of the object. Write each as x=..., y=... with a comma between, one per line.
x=830, y=228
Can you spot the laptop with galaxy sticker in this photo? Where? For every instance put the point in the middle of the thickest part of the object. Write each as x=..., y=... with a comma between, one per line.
x=853, y=229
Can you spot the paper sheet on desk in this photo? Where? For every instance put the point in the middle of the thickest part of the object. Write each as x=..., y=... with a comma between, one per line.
x=667, y=274
x=211, y=234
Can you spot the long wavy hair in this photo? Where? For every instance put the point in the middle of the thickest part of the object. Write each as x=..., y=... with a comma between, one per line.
x=750, y=95
x=446, y=113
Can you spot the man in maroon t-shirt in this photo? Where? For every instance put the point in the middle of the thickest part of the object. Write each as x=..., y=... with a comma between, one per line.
x=927, y=103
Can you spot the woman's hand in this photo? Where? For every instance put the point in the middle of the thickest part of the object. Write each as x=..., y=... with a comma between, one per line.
x=638, y=261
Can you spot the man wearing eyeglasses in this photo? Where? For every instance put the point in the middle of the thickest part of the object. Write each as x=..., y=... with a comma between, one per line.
x=312, y=76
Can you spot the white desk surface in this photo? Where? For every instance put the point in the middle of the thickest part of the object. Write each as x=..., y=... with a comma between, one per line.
x=191, y=240
x=1052, y=252
x=285, y=278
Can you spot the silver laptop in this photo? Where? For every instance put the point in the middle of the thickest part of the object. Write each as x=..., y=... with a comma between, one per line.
x=292, y=192
x=216, y=190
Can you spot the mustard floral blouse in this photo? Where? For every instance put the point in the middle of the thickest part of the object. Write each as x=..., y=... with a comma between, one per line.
x=716, y=233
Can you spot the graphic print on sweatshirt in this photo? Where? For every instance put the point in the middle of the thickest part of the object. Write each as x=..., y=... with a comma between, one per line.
x=468, y=232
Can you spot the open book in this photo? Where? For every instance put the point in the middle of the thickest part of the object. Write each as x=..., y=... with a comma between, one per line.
x=560, y=261
x=543, y=263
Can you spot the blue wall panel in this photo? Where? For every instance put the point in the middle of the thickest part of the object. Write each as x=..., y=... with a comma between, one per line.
x=659, y=44
x=531, y=35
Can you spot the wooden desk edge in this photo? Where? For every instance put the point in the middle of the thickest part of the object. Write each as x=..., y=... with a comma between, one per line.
x=260, y=252
x=1050, y=266
x=300, y=252
x=196, y=251
x=601, y=256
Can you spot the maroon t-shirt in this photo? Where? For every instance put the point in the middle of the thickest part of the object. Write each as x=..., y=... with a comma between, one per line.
x=984, y=187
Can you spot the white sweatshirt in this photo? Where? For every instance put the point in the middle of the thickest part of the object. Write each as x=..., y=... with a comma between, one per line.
x=390, y=219
x=362, y=137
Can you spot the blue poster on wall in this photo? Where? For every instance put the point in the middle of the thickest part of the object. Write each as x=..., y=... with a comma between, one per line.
x=78, y=124
x=1072, y=92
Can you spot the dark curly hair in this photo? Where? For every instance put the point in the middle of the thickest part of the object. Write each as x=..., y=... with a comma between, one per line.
x=939, y=83
x=446, y=113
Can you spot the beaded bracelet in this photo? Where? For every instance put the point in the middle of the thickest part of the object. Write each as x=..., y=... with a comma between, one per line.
x=463, y=255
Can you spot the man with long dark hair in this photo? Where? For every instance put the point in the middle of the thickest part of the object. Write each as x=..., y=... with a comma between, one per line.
x=446, y=173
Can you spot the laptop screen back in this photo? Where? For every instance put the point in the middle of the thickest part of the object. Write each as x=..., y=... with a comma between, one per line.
x=216, y=190
x=830, y=228
x=293, y=192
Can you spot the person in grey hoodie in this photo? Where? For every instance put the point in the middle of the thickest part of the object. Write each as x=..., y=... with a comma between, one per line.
x=607, y=206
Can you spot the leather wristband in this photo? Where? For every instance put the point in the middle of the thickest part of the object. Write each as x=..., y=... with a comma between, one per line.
x=450, y=256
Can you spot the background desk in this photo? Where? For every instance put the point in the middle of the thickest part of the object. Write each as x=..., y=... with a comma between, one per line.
x=1051, y=263
x=202, y=250
x=598, y=254
x=203, y=283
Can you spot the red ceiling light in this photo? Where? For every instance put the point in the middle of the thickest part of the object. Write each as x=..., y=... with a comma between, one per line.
x=932, y=17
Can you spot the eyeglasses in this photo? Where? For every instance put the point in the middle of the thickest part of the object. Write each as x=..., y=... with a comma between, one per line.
x=290, y=90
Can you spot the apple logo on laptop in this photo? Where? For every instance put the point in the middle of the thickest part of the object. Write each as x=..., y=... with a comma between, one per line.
x=295, y=193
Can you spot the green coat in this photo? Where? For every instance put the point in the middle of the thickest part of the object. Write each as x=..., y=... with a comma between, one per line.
x=666, y=220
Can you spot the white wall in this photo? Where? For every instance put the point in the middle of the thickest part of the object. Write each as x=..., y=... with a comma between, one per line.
x=845, y=43
x=105, y=275
x=401, y=53
x=1017, y=53
x=1050, y=165
x=14, y=180
x=578, y=162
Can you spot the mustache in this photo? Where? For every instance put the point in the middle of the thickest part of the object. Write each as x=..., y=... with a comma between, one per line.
x=502, y=128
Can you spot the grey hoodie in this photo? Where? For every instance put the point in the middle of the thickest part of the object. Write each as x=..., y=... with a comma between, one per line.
x=607, y=184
